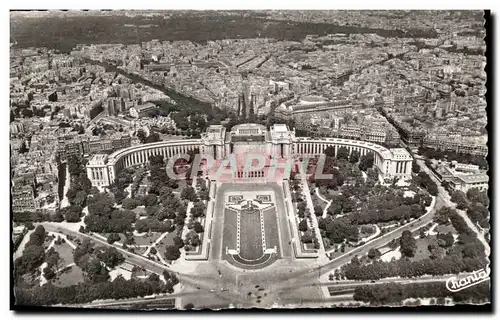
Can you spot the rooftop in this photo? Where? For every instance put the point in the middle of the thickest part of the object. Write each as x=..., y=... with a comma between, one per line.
x=248, y=129
x=401, y=154
x=474, y=178
x=98, y=159
x=279, y=128
x=215, y=131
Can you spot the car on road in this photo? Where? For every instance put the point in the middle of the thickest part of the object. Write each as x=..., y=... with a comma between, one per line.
x=224, y=289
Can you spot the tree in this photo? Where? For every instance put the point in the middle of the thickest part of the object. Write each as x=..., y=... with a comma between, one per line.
x=141, y=135
x=37, y=238
x=436, y=251
x=166, y=275
x=192, y=239
x=433, y=189
x=32, y=258
x=330, y=151
x=343, y=153
x=475, y=195
x=306, y=238
x=26, y=113
x=73, y=213
x=153, y=251
x=150, y=200
x=477, y=212
x=178, y=242
x=111, y=257
x=303, y=225
x=443, y=215
x=373, y=253
x=81, y=251
x=80, y=198
x=415, y=168
x=460, y=199
x=96, y=272
x=154, y=278
x=172, y=253
x=113, y=237
x=198, y=210
x=422, y=233
x=156, y=160
x=198, y=228
x=445, y=240
x=129, y=204
x=366, y=162
x=318, y=211
x=301, y=206
x=340, y=229
x=408, y=244
x=58, y=216
x=52, y=258
x=354, y=157
x=189, y=306
x=188, y=193
x=48, y=273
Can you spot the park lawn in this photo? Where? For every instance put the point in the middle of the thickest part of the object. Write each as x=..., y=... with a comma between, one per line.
x=65, y=252
x=71, y=277
x=230, y=229
x=250, y=235
x=139, y=250
x=422, y=250
x=148, y=239
x=166, y=241
x=445, y=229
x=271, y=228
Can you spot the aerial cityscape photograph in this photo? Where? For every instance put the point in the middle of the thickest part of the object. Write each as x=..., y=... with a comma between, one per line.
x=249, y=159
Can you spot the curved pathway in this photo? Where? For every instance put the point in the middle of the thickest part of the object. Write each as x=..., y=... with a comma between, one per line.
x=328, y=203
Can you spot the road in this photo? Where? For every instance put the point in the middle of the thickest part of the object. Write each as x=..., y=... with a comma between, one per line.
x=338, y=286
x=110, y=303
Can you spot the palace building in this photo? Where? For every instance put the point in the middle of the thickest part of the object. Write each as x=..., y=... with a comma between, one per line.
x=278, y=142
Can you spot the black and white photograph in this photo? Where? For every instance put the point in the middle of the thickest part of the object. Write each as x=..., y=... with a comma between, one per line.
x=193, y=160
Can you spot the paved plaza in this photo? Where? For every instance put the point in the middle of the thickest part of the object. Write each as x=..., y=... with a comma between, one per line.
x=247, y=217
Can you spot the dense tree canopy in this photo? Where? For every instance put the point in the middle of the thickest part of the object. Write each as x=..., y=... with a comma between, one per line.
x=172, y=253
x=408, y=244
x=339, y=229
